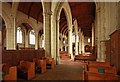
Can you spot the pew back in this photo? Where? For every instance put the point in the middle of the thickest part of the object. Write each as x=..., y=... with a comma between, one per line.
x=13, y=57
x=96, y=69
x=104, y=64
x=99, y=76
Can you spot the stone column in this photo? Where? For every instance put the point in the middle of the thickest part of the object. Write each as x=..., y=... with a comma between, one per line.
x=83, y=43
x=76, y=44
x=27, y=39
x=61, y=42
x=40, y=41
x=36, y=40
x=47, y=33
x=93, y=35
x=23, y=36
x=11, y=36
x=98, y=31
x=57, y=42
x=70, y=42
x=103, y=32
x=65, y=43
x=118, y=15
x=80, y=43
x=0, y=43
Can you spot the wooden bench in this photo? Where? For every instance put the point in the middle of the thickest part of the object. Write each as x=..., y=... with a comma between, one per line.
x=99, y=76
x=96, y=69
x=105, y=64
x=26, y=70
x=64, y=55
x=9, y=72
x=85, y=57
x=40, y=64
x=49, y=62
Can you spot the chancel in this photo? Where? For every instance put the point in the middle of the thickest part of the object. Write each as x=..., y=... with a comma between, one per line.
x=60, y=40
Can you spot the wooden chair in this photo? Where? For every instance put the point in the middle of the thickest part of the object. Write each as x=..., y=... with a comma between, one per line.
x=40, y=64
x=26, y=70
x=9, y=72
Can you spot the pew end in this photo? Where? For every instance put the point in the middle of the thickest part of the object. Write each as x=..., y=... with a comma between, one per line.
x=26, y=70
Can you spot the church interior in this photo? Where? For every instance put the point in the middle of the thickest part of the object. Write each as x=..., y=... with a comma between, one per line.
x=59, y=40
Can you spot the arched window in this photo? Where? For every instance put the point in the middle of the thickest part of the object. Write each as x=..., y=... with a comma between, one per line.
x=19, y=35
x=32, y=37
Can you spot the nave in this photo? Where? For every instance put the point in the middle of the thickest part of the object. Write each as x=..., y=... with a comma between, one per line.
x=39, y=35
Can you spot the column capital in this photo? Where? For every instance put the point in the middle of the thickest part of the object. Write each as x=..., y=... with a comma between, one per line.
x=58, y=20
x=47, y=13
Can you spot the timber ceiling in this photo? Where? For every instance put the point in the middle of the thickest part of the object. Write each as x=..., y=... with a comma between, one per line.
x=27, y=26
x=84, y=12
x=63, y=23
x=32, y=9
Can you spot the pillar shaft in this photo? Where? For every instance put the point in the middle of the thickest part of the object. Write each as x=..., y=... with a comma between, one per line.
x=93, y=35
x=98, y=32
x=40, y=41
x=26, y=39
x=70, y=42
x=36, y=40
x=83, y=50
x=11, y=37
x=47, y=33
x=80, y=48
x=61, y=43
x=57, y=42
x=76, y=44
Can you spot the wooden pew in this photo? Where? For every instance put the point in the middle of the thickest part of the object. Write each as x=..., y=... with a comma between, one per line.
x=13, y=57
x=105, y=64
x=84, y=57
x=99, y=71
x=64, y=55
x=40, y=64
x=26, y=70
x=99, y=76
x=49, y=62
x=9, y=72
x=96, y=69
